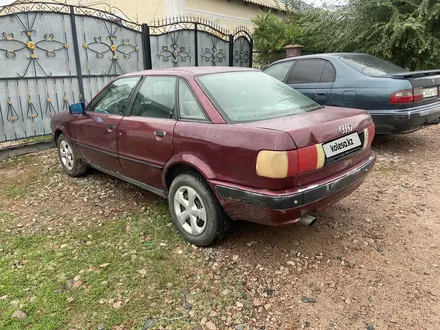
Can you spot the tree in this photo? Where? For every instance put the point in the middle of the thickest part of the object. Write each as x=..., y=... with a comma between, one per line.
x=271, y=34
x=405, y=32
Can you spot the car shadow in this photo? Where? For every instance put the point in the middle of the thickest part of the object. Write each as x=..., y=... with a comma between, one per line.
x=125, y=188
x=310, y=240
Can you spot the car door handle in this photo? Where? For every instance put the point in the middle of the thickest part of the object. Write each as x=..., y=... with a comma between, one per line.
x=321, y=93
x=160, y=133
x=110, y=126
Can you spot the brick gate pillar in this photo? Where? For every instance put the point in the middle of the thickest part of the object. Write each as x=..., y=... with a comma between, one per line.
x=293, y=50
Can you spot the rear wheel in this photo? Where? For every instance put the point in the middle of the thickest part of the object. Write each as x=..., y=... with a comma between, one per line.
x=72, y=164
x=196, y=211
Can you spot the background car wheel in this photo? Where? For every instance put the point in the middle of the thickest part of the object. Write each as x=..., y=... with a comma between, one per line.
x=72, y=164
x=196, y=211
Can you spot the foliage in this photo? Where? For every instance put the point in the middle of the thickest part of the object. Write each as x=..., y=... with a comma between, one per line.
x=271, y=35
x=406, y=32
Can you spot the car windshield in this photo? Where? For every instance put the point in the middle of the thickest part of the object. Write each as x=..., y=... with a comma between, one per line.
x=252, y=95
x=370, y=65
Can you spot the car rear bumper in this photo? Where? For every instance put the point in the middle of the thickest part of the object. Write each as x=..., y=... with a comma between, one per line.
x=275, y=208
x=401, y=121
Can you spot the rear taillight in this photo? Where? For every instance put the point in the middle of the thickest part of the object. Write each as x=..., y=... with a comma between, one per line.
x=369, y=136
x=418, y=94
x=274, y=164
x=284, y=164
x=407, y=96
x=310, y=158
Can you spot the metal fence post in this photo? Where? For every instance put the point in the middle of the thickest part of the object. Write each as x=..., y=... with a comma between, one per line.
x=146, y=46
x=251, y=52
x=231, y=50
x=76, y=51
x=196, y=45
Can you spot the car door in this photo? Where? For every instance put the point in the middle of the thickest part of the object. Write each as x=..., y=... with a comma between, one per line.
x=145, y=137
x=96, y=130
x=314, y=78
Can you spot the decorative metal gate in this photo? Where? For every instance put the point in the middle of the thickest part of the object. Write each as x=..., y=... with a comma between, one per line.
x=54, y=54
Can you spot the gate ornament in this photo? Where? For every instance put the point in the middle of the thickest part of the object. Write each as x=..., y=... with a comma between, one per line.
x=213, y=55
x=241, y=57
x=12, y=114
x=176, y=53
x=32, y=45
x=101, y=47
x=50, y=110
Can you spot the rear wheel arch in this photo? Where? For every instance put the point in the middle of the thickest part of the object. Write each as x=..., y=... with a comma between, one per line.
x=186, y=163
x=179, y=168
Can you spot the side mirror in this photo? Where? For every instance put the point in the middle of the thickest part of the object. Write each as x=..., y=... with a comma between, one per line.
x=77, y=108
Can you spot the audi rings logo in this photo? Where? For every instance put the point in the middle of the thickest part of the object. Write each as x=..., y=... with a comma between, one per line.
x=344, y=129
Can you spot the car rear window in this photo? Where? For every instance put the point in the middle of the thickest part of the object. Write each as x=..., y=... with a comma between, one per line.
x=279, y=70
x=252, y=95
x=370, y=65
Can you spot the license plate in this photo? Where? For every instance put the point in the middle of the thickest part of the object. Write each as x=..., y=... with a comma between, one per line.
x=341, y=145
x=430, y=92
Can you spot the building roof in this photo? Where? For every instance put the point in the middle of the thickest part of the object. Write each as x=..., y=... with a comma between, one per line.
x=273, y=4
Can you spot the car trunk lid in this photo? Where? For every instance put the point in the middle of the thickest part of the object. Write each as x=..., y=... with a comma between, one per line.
x=339, y=132
x=319, y=126
x=426, y=82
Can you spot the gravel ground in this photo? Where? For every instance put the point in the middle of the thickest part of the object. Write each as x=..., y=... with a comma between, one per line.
x=370, y=262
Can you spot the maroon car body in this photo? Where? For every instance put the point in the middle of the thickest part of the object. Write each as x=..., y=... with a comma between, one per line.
x=151, y=152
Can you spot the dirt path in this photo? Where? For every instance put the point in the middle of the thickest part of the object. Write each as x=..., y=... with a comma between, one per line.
x=372, y=261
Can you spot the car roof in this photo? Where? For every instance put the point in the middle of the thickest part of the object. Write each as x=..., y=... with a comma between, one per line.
x=189, y=71
x=321, y=55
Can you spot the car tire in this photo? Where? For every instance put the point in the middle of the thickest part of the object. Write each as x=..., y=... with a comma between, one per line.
x=70, y=161
x=195, y=210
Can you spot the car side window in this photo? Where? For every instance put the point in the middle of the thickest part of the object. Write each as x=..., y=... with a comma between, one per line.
x=114, y=98
x=306, y=72
x=155, y=98
x=329, y=73
x=279, y=71
x=189, y=108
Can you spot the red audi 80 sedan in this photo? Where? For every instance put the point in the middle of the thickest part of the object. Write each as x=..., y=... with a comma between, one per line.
x=220, y=143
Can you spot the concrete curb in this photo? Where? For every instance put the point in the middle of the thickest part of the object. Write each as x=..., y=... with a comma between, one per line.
x=25, y=149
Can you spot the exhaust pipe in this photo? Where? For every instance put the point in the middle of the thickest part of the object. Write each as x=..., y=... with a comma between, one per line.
x=307, y=220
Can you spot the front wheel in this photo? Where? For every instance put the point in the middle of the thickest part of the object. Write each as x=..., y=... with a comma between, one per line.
x=72, y=164
x=196, y=211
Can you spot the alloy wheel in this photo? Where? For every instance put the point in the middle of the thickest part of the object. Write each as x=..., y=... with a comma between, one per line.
x=190, y=210
x=66, y=154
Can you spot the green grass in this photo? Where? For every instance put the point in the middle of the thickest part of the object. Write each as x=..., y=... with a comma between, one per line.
x=14, y=192
x=36, y=139
x=5, y=215
x=18, y=182
x=13, y=162
x=34, y=270
x=132, y=259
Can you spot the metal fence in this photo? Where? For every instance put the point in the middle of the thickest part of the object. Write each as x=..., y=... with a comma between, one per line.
x=259, y=63
x=53, y=54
